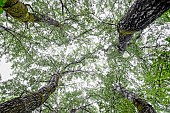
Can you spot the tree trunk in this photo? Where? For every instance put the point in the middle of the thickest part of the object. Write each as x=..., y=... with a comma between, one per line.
x=139, y=16
x=30, y=102
x=142, y=105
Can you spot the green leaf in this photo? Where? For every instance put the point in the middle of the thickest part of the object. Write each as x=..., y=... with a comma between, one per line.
x=2, y=3
x=168, y=39
x=166, y=16
x=1, y=10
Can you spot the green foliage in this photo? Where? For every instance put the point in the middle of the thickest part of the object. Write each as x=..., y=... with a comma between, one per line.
x=157, y=79
x=124, y=106
x=2, y=3
x=166, y=16
x=85, y=51
x=168, y=40
x=1, y=10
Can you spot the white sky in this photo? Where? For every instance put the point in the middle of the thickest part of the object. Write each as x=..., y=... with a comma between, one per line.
x=5, y=70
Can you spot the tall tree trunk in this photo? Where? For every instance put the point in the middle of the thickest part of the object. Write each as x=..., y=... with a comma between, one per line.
x=19, y=11
x=30, y=102
x=142, y=105
x=139, y=16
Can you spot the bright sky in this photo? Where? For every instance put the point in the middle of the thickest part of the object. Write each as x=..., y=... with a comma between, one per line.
x=5, y=70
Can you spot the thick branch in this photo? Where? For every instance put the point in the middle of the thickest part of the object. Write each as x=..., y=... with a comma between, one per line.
x=19, y=11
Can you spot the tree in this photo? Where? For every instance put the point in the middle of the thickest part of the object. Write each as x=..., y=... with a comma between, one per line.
x=19, y=11
x=139, y=16
x=28, y=103
x=142, y=105
x=85, y=53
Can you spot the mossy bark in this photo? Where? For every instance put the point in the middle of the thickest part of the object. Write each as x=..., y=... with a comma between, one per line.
x=19, y=11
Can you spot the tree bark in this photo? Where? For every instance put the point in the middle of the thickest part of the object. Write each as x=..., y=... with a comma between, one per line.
x=142, y=105
x=30, y=102
x=138, y=17
x=19, y=11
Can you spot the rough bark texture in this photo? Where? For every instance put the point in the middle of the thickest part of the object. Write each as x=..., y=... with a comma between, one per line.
x=139, y=16
x=30, y=102
x=19, y=11
x=46, y=19
x=142, y=105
